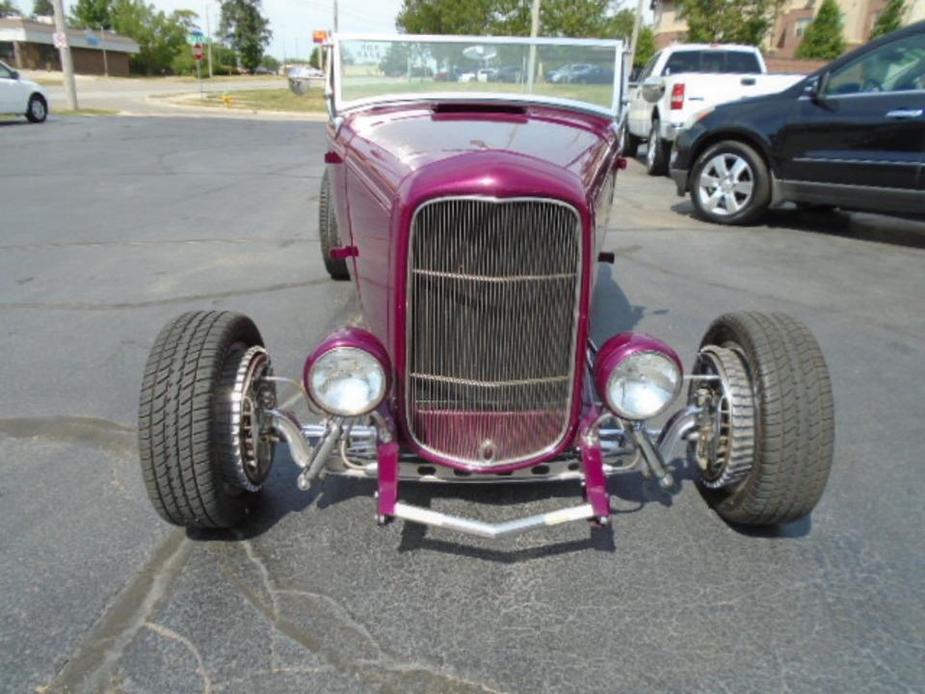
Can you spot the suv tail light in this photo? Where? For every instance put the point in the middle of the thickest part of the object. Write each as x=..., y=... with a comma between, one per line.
x=677, y=96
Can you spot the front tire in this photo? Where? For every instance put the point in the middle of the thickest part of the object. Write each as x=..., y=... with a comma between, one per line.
x=630, y=142
x=770, y=460
x=658, y=152
x=327, y=230
x=204, y=455
x=37, y=109
x=730, y=184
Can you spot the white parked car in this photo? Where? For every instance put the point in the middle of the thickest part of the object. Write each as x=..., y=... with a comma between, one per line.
x=684, y=80
x=20, y=96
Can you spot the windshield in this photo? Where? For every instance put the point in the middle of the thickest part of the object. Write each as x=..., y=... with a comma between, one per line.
x=578, y=72
x=739, y=62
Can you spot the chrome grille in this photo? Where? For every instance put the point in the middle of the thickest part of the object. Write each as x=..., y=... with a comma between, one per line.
x=492, y=320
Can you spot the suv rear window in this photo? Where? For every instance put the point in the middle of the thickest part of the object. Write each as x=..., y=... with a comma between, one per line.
x=711, y=61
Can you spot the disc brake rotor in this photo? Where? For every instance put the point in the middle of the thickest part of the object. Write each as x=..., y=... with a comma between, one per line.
x=252, y=445
x=725, y=448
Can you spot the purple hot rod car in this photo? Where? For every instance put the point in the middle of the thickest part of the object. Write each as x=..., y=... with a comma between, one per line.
x=471, y=222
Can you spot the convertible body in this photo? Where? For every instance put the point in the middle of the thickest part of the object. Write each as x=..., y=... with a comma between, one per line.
x=411, y=184
x=471, y=222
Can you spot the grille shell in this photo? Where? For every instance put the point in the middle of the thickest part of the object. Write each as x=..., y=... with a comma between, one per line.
x=493, y=309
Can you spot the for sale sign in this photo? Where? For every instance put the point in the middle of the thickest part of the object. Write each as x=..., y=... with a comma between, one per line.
x=60, y=39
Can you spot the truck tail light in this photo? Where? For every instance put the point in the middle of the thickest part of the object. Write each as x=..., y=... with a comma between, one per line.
x=677, y=96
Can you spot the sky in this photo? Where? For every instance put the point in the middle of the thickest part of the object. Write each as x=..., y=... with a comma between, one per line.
x=292, y=21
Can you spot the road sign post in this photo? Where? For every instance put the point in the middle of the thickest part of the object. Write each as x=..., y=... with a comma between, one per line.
x=67, y=66
x=197, y=54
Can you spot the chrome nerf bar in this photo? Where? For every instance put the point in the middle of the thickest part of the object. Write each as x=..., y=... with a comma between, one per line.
x=426, y=516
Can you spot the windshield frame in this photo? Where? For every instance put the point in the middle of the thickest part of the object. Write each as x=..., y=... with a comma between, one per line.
x=338, y=106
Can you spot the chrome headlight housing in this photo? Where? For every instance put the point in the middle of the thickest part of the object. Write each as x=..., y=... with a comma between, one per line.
x=637, y=376
x=347, y=375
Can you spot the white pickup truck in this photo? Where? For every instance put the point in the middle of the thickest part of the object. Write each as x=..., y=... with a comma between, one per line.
x=682, y=80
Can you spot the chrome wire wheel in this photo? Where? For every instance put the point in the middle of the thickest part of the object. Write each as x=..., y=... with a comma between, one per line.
x=726, y=184
x=250, y=424
x=724, y=449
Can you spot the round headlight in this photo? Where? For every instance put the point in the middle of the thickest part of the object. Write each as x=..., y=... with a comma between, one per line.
x=347, y=381
x=642, y=385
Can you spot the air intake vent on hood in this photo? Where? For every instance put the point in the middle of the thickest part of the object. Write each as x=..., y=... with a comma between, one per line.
x=484, y=107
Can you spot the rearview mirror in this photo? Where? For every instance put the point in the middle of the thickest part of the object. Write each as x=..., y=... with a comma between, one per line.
x=14, y=74
x=652, y=89
x=817, y=88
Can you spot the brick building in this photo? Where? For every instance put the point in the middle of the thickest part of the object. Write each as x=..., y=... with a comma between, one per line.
x=28, y=44
x=794, y=16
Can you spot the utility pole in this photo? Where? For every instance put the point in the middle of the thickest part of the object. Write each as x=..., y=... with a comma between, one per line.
x=64, y=50
x=534, y=30
x=208, y=40
x=335, y=16
x=103, y=46
x=636, y=26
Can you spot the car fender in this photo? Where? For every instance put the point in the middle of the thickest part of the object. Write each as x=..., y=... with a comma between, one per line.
x=740, y=133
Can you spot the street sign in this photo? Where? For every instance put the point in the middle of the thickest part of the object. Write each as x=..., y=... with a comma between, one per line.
x=319, y=36
x=92, y=39
x=197, y=51
x=197, y=37
x=60, y=39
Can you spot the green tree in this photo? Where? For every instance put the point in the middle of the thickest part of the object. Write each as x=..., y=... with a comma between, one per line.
x=890, y=19
x=620, y=26
x=315, y=58
x=270, y=63
x=92, y=14
x=645, y=47
x=8, y=8
x=246, y=30
x=445, y=16
x=727, y=21
x=577, y=18
x=823, y=38
x=395, y=60
x=161, y=37
x=42, y=8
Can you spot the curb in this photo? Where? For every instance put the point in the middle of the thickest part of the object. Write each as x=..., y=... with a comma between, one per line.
x=216, y=112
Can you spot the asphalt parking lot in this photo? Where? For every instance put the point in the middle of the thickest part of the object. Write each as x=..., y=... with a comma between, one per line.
x=111, y=226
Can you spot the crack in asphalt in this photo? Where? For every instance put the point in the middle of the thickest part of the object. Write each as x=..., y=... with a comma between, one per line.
x=92, y=664
x=107, y=435
x=171, y=635
x=370, y=671
x=89, y=306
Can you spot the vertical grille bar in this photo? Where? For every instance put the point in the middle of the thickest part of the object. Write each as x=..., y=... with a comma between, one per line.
x=492, y=318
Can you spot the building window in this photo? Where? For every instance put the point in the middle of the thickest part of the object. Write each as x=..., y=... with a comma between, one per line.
x=800, y=27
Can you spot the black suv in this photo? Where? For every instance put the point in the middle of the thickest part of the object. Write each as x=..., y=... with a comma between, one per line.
x=852, y=135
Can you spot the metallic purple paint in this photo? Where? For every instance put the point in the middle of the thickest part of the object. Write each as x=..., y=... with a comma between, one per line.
x=396, y=158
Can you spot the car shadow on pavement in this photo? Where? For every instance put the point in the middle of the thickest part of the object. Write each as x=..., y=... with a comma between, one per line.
x=611, y=310
x=281, y=496
x=875, y=228
x=4, y=123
